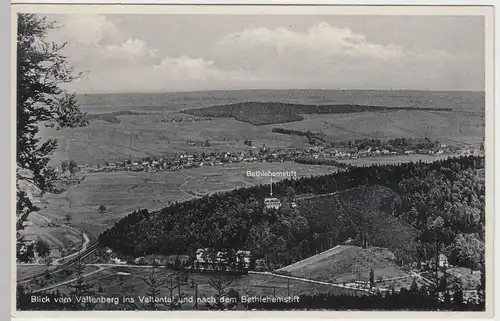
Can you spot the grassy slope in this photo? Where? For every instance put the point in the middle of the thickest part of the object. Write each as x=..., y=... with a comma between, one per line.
x=24, y=271
x=344, y=264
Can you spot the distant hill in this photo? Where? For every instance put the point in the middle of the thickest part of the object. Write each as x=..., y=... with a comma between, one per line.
x=457, y=100
x=344, y=263
x=264, y=113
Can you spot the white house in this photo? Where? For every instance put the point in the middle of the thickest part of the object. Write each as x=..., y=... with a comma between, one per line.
x=200, y=255
x=244, y=256
x=139, y=260
x=117, y=261
x=443, y=260
x=272, y=202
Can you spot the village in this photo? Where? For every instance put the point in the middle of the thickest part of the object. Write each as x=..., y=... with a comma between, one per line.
x=315, y=155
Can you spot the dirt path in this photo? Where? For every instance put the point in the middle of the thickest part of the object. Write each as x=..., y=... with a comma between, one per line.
x=301, y=198
x=418, y=275
x=310, y=281
x=181, y=188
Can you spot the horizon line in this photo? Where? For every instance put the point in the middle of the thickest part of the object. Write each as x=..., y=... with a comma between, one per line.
x=261, y=89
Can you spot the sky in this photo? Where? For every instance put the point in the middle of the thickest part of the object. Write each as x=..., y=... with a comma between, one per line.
x=168, y=53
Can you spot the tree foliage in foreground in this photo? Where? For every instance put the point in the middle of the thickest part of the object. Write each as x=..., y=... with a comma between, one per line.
x=415, y=299
x=41, y=70
x=80, y=289
x=408, y=300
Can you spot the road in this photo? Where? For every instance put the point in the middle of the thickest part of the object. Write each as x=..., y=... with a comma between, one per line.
x=301, y=198
x=181, y=188
x=50, y=287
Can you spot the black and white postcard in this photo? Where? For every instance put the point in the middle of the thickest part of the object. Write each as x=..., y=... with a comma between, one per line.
x=252, y=159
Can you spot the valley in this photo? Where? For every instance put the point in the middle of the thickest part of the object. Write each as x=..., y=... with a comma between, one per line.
x=337, y=223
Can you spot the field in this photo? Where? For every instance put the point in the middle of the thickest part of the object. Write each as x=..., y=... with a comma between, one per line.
x=392, y=159
x=140, y=136
x=123, y=192
x=344, y=263
x=24, y=271
x=447, y=127
x=152, y=124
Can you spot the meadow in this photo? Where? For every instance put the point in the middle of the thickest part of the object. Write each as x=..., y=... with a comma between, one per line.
x=344, y=264
x=447, y=127
x=136, y=137
x=24, y=271
x=123, y=192
x=392, y=159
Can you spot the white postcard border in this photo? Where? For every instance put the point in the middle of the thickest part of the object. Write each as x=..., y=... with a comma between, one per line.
x=344, y=10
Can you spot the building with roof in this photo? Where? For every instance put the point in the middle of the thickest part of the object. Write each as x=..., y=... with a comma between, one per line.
x=272, y=203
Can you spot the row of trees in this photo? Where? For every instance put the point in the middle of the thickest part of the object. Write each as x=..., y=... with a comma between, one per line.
x=397, y=143
x=312, y=138
x=414, y=299
x=360, y=144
